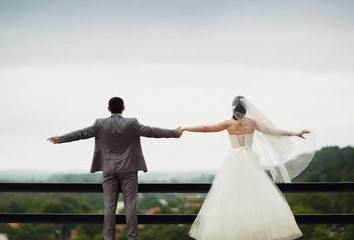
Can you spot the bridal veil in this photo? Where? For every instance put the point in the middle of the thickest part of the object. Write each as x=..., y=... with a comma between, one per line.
x=285, y=157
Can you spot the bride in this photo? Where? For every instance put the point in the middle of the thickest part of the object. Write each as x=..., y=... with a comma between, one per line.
x=243, y=202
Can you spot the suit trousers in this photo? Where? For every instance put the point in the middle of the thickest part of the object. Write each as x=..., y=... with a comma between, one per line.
x=113, y=184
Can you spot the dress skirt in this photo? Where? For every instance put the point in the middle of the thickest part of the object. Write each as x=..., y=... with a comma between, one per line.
x=244, y=204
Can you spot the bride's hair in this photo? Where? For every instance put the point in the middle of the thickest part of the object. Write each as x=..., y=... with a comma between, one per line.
x=238, y=108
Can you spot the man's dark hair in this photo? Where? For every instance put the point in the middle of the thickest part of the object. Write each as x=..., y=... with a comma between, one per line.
x=116, y=104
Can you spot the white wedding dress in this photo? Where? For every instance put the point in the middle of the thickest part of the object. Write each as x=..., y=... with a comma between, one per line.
x=243, y=202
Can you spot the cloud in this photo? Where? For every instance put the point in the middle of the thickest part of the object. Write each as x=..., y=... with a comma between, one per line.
x=174, y=63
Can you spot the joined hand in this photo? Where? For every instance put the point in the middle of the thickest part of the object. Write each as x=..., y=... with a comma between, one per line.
x=180, y=131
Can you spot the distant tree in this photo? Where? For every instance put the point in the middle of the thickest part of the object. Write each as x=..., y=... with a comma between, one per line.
x=98, y=237
x=148, y=201
x=348, y=232
x=165, y=210
x=34, y=232
x=330, y=164
x=58, y=207
x=165, y=232
x=17, y=206
x=70, y=201
x=89, y=231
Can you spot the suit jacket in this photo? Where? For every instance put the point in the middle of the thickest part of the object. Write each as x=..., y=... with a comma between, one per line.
x=117, y=143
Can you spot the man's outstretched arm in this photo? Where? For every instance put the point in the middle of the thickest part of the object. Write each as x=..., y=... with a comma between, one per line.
x=74, y=136
x=154, y=132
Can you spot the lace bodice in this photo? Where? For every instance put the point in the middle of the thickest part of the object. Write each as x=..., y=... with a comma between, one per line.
x=237, y=141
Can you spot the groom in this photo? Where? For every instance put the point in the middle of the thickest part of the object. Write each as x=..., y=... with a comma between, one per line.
x=119, y=156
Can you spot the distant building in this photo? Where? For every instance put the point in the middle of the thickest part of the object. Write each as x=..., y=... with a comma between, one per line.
x=14, y=225
x=74, y=233
x=189, y=197
x=153, y=210
x=121, y=227
x=120, y=206
x=163, y=202
x=188, y=205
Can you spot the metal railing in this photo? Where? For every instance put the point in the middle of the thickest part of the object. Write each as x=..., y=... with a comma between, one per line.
x=161, y=188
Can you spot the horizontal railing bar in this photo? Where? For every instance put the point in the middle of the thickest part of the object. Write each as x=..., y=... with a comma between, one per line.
x=168, y=187
x=154, y=219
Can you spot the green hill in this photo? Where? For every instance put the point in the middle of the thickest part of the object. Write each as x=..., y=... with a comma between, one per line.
x=330, y=164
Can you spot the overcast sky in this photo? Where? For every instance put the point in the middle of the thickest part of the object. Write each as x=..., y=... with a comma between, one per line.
x=174, y=63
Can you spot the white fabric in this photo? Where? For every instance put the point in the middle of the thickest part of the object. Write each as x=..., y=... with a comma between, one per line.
x=243, y=202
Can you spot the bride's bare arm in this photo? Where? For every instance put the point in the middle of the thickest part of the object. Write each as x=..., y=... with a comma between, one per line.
x=209, y=128
x=279, y=132
x=298, y=134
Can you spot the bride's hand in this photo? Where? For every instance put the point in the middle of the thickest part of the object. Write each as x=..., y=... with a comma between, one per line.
x=300, y=134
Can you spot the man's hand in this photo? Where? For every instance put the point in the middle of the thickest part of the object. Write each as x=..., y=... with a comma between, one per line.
x=180, y=131
x=53, y=140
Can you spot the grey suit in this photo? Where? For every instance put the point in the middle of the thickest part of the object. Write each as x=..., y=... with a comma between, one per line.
x=119, y=156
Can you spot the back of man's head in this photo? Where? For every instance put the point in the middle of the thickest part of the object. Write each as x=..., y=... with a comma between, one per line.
x=116, y=105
